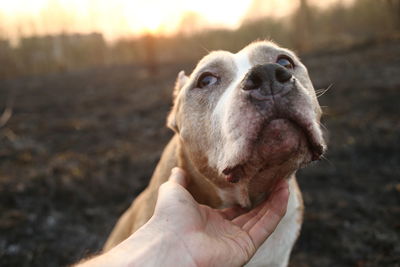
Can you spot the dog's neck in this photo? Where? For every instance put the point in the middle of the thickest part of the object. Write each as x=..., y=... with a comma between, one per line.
x=201, y=188
x=209, y=189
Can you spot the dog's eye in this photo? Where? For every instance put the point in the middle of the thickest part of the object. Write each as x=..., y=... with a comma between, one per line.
x=285, y=61
x=206, y=79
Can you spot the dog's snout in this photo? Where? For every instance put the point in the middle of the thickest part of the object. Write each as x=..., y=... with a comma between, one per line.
x=266, y=78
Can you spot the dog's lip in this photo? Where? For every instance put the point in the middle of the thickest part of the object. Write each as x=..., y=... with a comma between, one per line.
x=315, y=142
x=233, y=174
x=317, y=149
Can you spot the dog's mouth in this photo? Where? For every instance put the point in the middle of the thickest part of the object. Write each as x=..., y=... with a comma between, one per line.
x=288, y=142
x=313, y=136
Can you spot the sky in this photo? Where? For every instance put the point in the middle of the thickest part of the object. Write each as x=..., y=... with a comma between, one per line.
x=122, y=18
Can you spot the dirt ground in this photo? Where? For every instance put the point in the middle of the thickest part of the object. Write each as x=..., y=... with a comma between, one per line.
x=80, y=146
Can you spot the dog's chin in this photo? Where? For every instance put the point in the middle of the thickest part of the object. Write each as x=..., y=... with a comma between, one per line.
x=279, y=141
x=280, y=149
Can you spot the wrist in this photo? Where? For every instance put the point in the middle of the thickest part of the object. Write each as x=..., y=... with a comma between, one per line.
x=164, y=246
x=152, y=245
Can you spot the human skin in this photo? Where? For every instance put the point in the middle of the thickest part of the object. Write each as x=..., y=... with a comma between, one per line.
x=184, y=233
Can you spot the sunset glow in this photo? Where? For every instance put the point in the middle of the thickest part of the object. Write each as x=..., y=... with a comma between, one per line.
x=121, y=18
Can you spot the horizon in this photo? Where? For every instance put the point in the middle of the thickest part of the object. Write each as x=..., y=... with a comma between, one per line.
x=124, y=18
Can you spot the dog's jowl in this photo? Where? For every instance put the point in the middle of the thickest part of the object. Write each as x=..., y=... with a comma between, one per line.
x=242, y=121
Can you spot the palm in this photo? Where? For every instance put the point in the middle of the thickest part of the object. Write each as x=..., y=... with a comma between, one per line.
x=222, y=238
x=216, y=237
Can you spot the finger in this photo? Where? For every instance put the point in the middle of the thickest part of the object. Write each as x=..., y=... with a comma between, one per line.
x=244, y=218
x=281, y=185
x=267, y=223
x=178, y=176
x=173, y=192
x=175, y=185
x=246, y=221
x=232, y=213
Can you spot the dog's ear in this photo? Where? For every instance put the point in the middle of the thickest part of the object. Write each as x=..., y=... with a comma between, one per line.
x=180, y=82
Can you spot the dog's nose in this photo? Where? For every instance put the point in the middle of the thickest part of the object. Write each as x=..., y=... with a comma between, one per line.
x=268, y=79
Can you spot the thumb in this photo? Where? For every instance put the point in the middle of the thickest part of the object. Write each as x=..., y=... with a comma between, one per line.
x=172, y=191
x=178, y=176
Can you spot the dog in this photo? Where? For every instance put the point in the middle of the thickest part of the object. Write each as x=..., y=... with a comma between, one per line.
x=241, y=121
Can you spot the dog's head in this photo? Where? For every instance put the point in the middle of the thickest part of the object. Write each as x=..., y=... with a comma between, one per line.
x=248, y=119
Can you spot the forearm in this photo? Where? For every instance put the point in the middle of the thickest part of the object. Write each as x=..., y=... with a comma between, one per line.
x=146, y=247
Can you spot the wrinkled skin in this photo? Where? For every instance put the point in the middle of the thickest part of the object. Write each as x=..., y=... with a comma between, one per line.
x=244, y=138
x=243, y=123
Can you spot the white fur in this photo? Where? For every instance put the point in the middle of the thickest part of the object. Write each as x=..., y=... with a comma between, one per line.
x=275, y=252
x=233, y=145
x=243, y=65
x=236, y=194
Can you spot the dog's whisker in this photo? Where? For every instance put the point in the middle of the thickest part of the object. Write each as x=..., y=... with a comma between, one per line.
x=204, y=48
x=321, y=92
x=327, y=160
x=324, y=108
x=251, y=134
x=323, y=126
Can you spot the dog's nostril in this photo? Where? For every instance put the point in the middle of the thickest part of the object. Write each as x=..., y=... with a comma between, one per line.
x=253, y=82
x=282, y=75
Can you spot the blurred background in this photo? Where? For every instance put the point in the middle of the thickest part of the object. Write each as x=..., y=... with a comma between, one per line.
x=47, y=36
x=85, y=87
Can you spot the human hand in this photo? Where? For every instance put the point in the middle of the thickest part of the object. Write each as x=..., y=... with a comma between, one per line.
x=211, y=237
x=184, y=233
